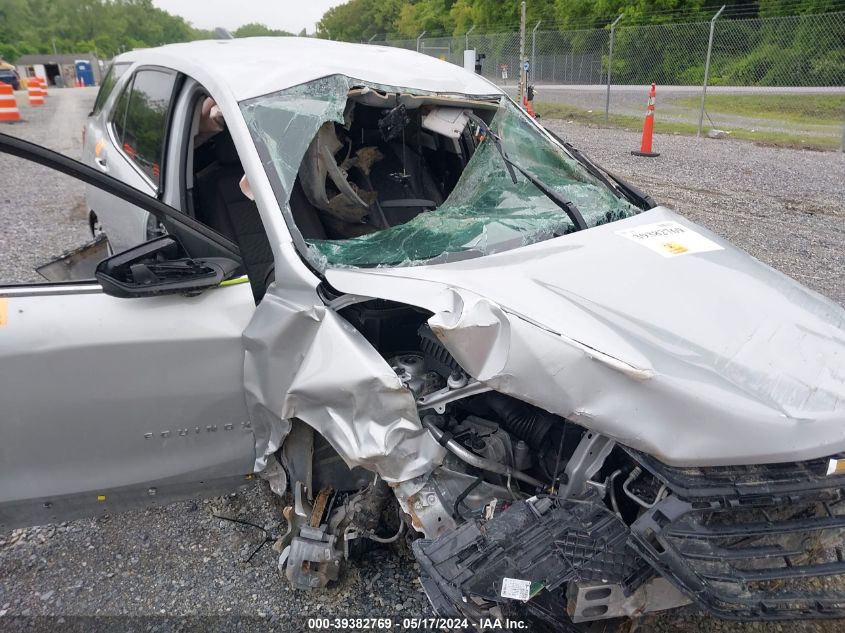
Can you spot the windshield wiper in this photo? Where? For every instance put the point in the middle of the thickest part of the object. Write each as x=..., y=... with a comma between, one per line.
x=571, y=210
x=632, y=193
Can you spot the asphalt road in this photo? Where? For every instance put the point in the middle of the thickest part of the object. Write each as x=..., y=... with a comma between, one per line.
x=179, y=568
x=631, y=101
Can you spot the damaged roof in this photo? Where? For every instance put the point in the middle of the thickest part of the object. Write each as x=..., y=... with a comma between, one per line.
x=256, y=66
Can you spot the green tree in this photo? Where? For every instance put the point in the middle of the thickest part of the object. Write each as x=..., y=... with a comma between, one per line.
x=103, y=26
x=255, y=29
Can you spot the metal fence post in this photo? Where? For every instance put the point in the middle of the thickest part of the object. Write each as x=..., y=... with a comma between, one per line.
x=471, y=29
x=418, y=40
x=523, y=76
x=707, y=68
x=534, y=48
x=842, y=144
x=609, y=67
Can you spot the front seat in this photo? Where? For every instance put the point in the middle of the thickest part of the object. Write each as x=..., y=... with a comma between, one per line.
x=221, y=205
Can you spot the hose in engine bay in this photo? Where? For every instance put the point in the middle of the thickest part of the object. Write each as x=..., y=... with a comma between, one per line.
x=477, y=461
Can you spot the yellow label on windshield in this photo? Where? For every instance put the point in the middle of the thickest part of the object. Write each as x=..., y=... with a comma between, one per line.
x=4, y=310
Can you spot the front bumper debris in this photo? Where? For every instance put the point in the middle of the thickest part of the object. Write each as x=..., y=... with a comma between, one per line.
x=534, y=545
x=750, y=542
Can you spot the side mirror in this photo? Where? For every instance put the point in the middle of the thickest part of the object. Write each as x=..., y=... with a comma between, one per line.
x=161, y=267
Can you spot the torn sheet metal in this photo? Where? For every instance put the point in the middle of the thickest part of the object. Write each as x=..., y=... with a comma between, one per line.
x=309, y=363
x=709, y=358
x=77, y=264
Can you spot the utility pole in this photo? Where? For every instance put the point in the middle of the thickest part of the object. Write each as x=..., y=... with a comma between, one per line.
x=522, y=73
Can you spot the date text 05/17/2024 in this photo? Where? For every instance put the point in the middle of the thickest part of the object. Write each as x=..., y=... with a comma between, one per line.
x=415, y=624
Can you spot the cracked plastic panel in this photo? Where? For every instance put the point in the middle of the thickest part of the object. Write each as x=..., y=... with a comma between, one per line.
x=487, y=212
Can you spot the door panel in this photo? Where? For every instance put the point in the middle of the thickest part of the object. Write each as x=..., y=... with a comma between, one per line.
x=130, y=146
x=107, y=397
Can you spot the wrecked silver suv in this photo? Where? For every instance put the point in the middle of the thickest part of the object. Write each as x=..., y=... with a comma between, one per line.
x=574, y=404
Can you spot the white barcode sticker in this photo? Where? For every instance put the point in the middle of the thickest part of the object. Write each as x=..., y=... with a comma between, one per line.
x=516, y=589
x=670, y=239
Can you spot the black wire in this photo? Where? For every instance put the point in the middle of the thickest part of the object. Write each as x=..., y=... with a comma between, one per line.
x=260, y=545
x=559, y=452
x=241, y=521
x=456, y=512
x=267, y=537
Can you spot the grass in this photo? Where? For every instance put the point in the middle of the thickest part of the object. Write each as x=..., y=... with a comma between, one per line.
x=820, y=109
x=566, y=112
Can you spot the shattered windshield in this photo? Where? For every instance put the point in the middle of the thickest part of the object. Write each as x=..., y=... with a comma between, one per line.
x=388, y=177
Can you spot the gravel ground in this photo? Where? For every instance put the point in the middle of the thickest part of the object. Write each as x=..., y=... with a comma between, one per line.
x=179, y=568
x=40, y=208
x=786, y=207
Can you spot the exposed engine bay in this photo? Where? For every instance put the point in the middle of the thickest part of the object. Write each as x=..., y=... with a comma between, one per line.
x=533, y=516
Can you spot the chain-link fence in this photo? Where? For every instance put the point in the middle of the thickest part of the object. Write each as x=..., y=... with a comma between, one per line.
x=777, y=78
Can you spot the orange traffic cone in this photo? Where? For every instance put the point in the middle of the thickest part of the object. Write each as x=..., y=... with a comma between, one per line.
x=526, y=104
x=9, y=112
x=33, y=89
x=43, y=83
x=648, y=127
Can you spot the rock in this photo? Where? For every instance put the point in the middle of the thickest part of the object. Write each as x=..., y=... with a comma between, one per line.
x=714, y=133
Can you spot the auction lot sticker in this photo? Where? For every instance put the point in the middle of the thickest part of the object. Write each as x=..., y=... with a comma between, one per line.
x=516, y=589
x=670, y=239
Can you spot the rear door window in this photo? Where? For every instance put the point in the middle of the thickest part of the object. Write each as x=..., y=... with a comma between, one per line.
x=115, y=72
x=141, y=117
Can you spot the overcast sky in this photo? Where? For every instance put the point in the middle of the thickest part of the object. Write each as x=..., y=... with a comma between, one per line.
x=290, y=15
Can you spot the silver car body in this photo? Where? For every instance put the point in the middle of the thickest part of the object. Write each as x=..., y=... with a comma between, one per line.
x=668, y=333
x=701, y=356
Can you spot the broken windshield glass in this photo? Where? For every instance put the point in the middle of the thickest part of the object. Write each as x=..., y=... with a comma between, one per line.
x=482, y=212
x=487, y=212
x=284, y=123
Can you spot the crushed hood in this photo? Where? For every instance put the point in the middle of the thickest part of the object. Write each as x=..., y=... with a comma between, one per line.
x=651, y=330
